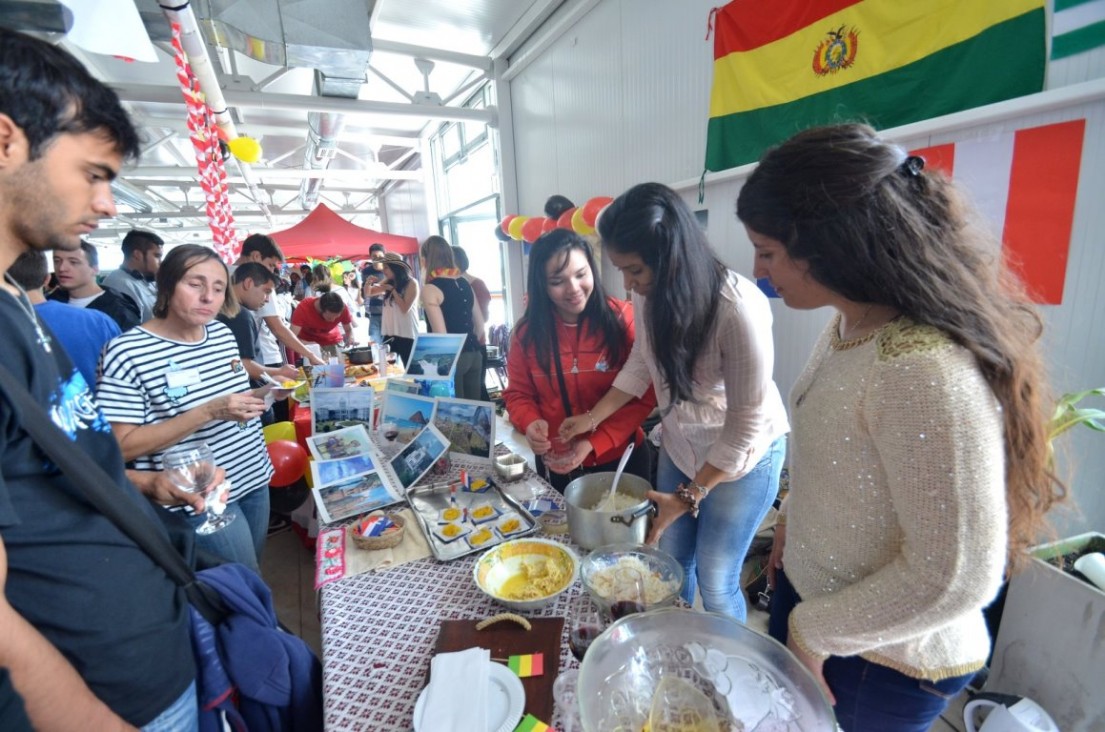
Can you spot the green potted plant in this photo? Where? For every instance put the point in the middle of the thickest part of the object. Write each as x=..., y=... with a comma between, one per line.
x=1049, y=646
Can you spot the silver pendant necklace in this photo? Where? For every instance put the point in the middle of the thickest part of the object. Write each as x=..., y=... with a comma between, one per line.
x=29, y=309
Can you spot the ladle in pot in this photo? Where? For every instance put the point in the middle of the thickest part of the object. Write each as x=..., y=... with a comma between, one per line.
x=618, y=474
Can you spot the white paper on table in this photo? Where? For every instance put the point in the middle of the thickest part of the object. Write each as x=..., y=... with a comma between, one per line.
x=111, y=27
x=457, y=697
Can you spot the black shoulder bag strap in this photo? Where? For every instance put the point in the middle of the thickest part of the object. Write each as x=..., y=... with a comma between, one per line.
x=560, y=373
x=86, y=474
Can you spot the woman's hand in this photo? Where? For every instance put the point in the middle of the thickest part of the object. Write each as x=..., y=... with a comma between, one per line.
x=775, y=561
x=157, y=487
x=814, y=664
x=580, y=450
x=574, y=426
x=235, y=408
x=670, y=509
x=537, y=435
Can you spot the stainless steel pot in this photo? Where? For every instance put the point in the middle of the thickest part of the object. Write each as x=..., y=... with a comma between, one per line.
x=589, y=528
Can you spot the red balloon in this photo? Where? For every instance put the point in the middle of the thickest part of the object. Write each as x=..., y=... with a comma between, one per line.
x=505, y=223
x=533, y=228
x=565, y=220
x=592, y=208
x=289, y=460
x=548, y=226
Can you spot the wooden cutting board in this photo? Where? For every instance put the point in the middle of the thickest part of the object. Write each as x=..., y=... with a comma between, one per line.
x=505, y=639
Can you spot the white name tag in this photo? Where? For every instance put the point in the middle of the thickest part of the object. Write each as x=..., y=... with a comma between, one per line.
x=186, y=377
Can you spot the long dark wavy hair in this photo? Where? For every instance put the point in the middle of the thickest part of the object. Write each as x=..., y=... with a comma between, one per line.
x=400, y=279
x=876, y=228
x=537, y=327
x=652, y=221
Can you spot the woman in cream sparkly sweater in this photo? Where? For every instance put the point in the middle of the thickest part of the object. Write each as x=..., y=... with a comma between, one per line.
x=919, y=460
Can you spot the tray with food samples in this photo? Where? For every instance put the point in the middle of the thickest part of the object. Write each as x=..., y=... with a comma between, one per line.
x=459, y=519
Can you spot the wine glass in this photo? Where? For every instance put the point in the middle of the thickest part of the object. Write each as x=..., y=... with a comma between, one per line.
x=630, y=596
x=191, y=468
x=585, y=624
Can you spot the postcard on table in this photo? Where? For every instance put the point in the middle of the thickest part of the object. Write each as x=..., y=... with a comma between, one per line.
x=435, y=355
x=405, y=415
x=325, y=472
x=415, y=459
x=353, y=496
x=343, y=443
x=334, y=409
x=468, y=425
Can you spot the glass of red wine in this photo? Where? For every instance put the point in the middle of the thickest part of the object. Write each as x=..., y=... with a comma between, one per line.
x=585, y=624
x=630, y=594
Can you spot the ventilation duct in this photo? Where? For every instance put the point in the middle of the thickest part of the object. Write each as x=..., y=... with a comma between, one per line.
x=291, y=36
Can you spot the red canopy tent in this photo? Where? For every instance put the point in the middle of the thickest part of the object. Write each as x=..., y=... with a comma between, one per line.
x=323, y=234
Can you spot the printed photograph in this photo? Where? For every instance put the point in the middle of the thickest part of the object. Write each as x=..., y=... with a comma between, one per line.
x=469, y=426
x=405, y=415
x=335, y=409
x=342, y=443
x=434, y=355
x=416, y=458
x=325, y=472
x=352, y=497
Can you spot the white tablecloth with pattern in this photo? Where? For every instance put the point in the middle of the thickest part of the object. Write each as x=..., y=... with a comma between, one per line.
x=379, y=630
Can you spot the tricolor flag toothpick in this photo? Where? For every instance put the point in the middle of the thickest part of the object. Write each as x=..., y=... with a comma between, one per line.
x=531, y=664
x=531, y=723
x=465, y=480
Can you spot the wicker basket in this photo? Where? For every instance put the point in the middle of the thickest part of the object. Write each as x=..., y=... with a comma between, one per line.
x=387, y=541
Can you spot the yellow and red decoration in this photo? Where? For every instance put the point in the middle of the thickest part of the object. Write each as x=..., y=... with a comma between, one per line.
x=582, y=220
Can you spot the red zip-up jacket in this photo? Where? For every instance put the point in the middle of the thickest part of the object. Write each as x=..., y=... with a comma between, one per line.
x=531, y=394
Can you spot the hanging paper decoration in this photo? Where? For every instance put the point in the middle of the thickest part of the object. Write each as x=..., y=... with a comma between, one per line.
x=209, y=159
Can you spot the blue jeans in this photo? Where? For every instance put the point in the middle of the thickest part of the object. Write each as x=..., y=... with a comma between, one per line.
x=712, y=547
x=870, y=697
x=375, y=323
x=181, y=716
x=244, y=539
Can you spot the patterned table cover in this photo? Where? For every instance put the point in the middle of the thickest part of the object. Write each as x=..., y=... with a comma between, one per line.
x=379, y=630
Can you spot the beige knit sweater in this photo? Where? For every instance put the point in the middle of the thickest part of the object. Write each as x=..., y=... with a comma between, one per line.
x=896, y=534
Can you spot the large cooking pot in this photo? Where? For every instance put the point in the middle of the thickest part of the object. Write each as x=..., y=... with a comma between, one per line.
x=359, y=356
x=589, y=528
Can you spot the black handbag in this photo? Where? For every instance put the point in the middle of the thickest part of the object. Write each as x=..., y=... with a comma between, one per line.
x=94, y=482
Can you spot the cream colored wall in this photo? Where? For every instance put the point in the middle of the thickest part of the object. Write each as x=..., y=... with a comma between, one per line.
x=615, y=92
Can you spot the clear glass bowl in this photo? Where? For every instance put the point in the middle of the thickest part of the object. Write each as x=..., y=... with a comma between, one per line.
x=661, y=564
x=752, y=681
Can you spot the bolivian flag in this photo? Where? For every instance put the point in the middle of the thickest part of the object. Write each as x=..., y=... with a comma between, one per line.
x=782, y=67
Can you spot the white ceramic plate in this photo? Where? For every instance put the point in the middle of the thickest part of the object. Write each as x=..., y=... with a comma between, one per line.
x=506, y=699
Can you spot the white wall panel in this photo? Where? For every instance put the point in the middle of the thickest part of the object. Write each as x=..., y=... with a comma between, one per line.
x=629, y=85
x=403, y=211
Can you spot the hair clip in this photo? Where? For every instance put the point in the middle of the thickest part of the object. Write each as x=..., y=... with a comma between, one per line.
x=913, y=165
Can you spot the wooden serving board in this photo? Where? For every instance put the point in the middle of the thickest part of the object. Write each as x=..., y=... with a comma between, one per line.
x=505, y=639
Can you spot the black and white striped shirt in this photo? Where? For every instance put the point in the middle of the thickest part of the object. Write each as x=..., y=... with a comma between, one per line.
x=146, y=379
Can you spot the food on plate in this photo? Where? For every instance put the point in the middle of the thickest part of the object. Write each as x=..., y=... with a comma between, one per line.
x=537, y=578
x=511, y=525
x=450, y=514
x=356, y=372
x=481, y=537
x=483, y=512
x=451, y=532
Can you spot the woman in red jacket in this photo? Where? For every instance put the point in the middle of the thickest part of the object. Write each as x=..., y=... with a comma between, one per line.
x=564, y=355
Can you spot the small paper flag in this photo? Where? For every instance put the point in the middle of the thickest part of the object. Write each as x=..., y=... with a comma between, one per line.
x=531, y=723
x=464, y=480
x=531, y=664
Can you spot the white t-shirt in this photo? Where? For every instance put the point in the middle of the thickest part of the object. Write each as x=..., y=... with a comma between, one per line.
x=149, y=379
x=271, y=351
x=395, y=322
x=83, y=302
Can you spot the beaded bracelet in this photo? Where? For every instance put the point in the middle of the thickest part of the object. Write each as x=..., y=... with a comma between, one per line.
x=692, y=495
x=594, y=427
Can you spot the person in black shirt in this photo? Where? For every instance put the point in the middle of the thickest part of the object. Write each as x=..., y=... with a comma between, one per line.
x=94, y=633
x=76, y=272
x=253, y=284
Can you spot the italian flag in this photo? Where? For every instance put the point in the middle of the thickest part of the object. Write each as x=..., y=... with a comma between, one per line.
x=1025, y=183
x=802, y=63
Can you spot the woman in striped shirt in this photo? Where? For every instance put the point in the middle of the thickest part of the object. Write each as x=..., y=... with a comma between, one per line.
x=178, y=379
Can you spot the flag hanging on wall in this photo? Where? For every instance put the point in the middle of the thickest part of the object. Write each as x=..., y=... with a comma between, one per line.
x=1077, y=26
x=1025, y=183
x=887, y=62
